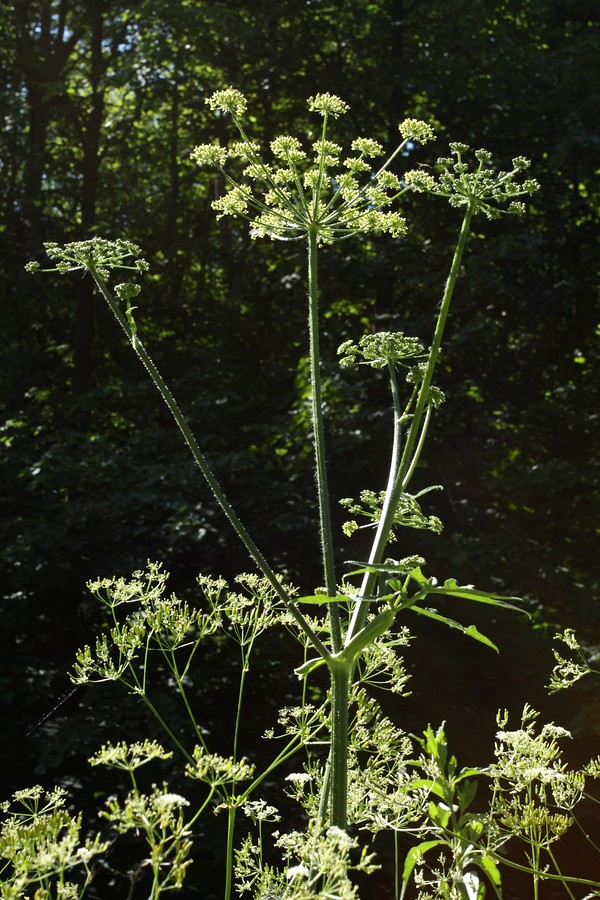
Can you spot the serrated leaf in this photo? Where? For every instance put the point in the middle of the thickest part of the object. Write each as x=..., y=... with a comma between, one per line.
x=466, y=791
x=452, y=589
x=469, y=630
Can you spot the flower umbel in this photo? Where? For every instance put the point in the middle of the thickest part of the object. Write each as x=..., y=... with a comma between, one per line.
x=327, y=105
x=568, y=670
x=310, y=189
x=415, y=130
x=228, y=101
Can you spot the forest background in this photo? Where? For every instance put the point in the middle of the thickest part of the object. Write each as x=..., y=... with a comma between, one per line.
x=101, y=103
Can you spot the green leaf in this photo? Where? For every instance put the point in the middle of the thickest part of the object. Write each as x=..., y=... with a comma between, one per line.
x=403, y=566
x=439, y=814
x=487, y=865
x=418, y=576
x=466, y=791
x=412, y=857
x=427, y=783
x=434, y=787
x=469, y=630
x=470, y=773
x=308, y=666
x=451, y=588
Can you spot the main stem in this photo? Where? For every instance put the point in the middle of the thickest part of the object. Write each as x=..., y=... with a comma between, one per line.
x=231, y=811
x=405, y=466
x=319, y=439
x=337, y=784
x=338, y=787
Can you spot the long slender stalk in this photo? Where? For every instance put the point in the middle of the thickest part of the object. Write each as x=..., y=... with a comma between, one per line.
x=245, y=666
x=231, y=811
x=337, y=788
x=396, y=865
x=319, y=439
x=165, y=727
x=544, y=874
x=214, y=485
x=412, y=445
x=182, y=693
x=423, y=397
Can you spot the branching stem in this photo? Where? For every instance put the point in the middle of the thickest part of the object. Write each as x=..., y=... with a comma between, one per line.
x=412, y=447
x=214, y=485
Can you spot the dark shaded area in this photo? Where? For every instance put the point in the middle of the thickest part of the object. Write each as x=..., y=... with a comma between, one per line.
x=103, y=102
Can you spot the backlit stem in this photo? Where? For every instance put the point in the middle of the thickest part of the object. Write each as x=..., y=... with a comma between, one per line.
x=214, y=485
x=338, y=786
x=413, y=444
x=319, y=439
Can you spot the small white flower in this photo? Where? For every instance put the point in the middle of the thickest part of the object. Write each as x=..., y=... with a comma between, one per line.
x=299, y=871
x=170, y=801
x=299, y=777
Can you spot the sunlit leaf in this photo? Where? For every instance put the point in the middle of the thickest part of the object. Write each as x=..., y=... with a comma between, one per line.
x=469, y=630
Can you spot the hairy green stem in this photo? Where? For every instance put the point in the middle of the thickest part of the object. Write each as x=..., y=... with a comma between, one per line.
x=231, y=811
x=338, y=788
x=212, y=482
x=319, y=439
x=401, y=468
x=340, y=675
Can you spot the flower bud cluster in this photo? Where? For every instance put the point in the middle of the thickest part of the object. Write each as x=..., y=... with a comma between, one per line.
x=408, y=515
x=480, y=190
x=381, y=349
x=94, y=255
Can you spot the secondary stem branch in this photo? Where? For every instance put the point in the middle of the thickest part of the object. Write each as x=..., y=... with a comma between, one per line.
x=405, y=468
x=214, y=485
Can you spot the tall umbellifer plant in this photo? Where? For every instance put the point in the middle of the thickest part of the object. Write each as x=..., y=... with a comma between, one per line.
x=315, y=196
x=319, y=197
